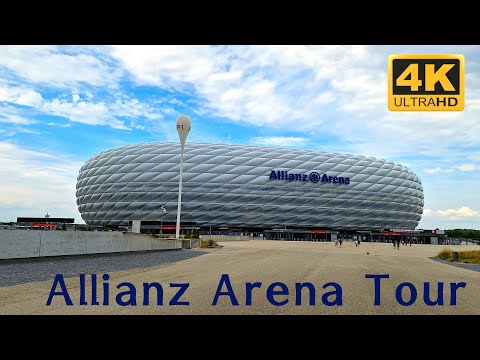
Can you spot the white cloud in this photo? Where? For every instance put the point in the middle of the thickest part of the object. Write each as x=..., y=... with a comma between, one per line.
x=20, y=96
x=468, y=167
x=82, y=112
x=273, y=85
x=78, y=110
x=453, y=214
x=324, y=98
x=436, y=170
x=336, y=92
x=58, y=66
x=12, y=151
x=228, y=78
x=133, y=108
x=36, y=182
x=30, y=98
x=103, y=113
x=283, y=141
x=12, y=115
x=462, y=167
x=135, y=126
x=27, y=130
x=339, y=90
x=305, y=88
x=15, y=119
x=59, y=124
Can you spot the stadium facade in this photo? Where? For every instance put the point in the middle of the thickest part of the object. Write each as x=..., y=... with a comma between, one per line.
x=249, y=188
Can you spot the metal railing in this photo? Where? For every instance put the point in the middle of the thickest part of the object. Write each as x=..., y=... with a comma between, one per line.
x=461, y=241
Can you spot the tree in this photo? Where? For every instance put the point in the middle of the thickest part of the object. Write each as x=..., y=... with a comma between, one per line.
x=106, y=226
x=464, y=233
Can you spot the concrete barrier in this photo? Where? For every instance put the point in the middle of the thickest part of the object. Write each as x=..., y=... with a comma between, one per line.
x=37, y=243
x=226, y=238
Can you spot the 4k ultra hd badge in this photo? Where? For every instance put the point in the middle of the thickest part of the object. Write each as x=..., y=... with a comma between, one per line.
x=426, y=82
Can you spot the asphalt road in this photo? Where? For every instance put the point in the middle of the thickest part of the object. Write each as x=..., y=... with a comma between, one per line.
x=267, y=262
x=13, y=272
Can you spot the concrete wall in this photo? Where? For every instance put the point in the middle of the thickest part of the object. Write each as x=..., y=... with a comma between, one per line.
x=37, y=243
x=226, y=238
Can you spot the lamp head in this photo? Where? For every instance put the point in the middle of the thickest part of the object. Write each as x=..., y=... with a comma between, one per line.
x=184, y=124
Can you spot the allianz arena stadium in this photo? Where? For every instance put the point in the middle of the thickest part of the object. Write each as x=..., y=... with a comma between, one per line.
x=248, y=188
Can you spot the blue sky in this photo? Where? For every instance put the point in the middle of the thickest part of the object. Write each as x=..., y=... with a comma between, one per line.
x=59, y=105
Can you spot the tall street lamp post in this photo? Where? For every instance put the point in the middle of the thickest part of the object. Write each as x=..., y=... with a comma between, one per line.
x=163, y=211
x=184, y=125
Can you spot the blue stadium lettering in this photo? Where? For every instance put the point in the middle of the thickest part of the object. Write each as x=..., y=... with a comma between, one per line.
x=325, y=178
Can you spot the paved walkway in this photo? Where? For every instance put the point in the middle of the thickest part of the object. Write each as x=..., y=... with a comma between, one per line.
x=268, y=262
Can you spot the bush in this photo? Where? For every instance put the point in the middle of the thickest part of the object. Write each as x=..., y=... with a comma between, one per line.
x=206, y=244
x=470, y=256
x=445, y=254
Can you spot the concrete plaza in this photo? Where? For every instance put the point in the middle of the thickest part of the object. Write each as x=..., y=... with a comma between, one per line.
x=268, y=262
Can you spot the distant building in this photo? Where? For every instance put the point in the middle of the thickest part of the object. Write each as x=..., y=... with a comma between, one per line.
x=44, y=223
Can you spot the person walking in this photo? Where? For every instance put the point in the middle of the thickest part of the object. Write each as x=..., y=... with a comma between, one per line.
x=340, y=242
x=336, y=242
x=398, y=244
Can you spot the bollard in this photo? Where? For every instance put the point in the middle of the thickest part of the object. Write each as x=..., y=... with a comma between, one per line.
x=455, y=255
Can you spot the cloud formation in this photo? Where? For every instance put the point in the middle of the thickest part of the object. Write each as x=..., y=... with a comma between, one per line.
x=34, y=182
x=329, y=98
x=453, y=214
x=279, y=141
x=76, y=109
x=58, y=66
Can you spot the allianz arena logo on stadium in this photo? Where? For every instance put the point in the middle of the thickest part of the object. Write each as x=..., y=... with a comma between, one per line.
x=314, y=177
